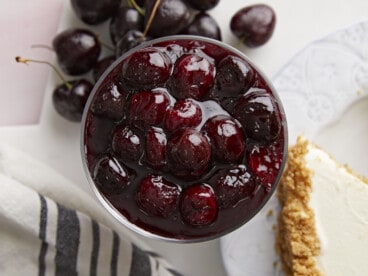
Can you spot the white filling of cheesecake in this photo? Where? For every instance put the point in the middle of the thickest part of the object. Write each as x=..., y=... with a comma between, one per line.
x=340, y=203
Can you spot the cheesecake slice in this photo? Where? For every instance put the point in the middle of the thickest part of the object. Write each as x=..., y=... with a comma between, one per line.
x=323, y=223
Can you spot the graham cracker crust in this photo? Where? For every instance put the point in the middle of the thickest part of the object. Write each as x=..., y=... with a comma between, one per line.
x=297, y=242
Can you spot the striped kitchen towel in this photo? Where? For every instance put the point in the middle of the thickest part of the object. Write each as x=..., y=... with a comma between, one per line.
x=48, y=226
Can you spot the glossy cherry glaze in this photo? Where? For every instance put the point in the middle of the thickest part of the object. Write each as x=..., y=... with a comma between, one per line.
x=184, y=164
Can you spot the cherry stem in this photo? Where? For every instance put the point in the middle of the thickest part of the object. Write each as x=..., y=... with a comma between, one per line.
x=42, y=46
x=26, y=61
x=150, y=19
x=109, y=47
x=136, y=6
x=241, y=41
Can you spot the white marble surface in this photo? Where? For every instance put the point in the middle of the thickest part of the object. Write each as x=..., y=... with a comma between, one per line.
x=56, y=141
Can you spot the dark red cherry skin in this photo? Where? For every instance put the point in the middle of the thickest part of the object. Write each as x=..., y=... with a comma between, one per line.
x=77, y=50
x=234, y=185
x=203, y=25
x=227, y=138
x=198, y=205
x=146, y=69
x=100, y=130
x=157, y=197
x=110, y=101
x=130, y=40
x=126, y=144
x=254, y=25
x=265, y=163
x=110, y=176
x=234, y=77
x=123, y=20
x=184, y=113
x=193, y=77
x=258, y=114
x=147, y=108
x=188, y=153
x=156, y=142
x=70, y=102
x=96, y=11
x=101, y=66
x=171, y=17
x=202, y=5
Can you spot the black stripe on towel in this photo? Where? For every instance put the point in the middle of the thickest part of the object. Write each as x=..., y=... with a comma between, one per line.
x=115, y=254
x=95, y=247
x=140, y=263
x=42, y=236
x=67, y=242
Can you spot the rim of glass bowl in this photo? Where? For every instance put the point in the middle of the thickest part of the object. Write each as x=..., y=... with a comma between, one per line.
x=110, y=208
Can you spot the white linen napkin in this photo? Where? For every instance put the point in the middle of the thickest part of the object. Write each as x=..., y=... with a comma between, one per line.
x=48, y=226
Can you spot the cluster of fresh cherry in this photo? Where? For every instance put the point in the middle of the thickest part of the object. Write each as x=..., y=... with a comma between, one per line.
x=132, y=22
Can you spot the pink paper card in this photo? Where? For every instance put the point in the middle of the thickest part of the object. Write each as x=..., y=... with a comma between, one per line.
x=24, y=23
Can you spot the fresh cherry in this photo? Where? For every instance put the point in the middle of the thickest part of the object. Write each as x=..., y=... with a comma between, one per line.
x=157, y=197
x=203, y=25
x=193, y=76
x=148, y=108
x=185, y=113
x=96, y=11
x=189, y=153
x=227, y=139
x=198, y=205
x=124, y=20
x=111, y=176
x=77, y=50
x=69, y=100
x=203, y=5
x=170, y=16
x=130, y=40
x=70, y=97
x=254, y=25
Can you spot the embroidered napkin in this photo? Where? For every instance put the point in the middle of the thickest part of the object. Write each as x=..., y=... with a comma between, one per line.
x=49, y=226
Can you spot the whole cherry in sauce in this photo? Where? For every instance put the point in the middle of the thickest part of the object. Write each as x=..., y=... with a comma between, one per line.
x=227, y=138
x=193, y=76
x=196, y=167
x=185, y=113
x=111, y=176
x=198, y=205
x=188, y=153
x=157, y=197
